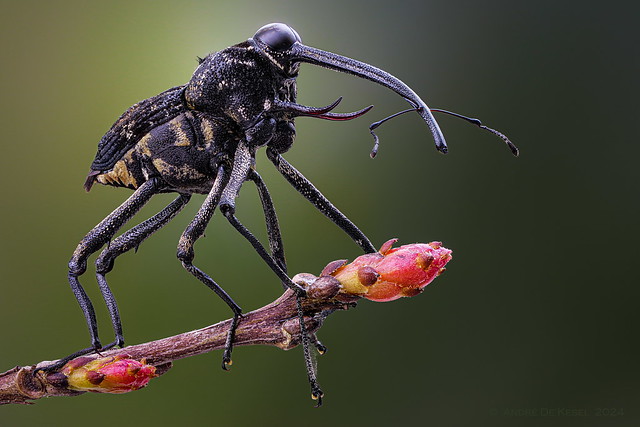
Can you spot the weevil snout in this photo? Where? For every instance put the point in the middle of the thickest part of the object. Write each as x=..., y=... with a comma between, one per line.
x=283, y=46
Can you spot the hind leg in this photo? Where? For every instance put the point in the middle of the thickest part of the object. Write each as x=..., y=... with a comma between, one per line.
x=91, y=243
x=127, y=241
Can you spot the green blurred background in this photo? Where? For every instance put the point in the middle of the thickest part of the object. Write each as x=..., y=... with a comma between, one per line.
x=537, y=311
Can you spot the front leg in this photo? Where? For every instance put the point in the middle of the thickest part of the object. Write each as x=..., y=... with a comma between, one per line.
x=317, y=199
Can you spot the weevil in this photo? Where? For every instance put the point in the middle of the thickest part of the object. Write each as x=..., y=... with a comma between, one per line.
x=202, y=138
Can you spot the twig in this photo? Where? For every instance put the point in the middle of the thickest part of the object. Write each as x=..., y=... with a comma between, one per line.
x=274, y=324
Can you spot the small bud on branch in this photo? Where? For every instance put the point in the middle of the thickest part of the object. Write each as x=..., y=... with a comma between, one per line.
x=115, y=374
x=392, y=273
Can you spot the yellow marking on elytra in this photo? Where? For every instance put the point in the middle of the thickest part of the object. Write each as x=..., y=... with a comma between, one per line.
x=161, y=165
x=207, y=130
x=143, y=145
x=181, y=138
x=179, y=172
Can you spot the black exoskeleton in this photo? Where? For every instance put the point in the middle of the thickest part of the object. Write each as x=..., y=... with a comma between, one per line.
x=202, y=138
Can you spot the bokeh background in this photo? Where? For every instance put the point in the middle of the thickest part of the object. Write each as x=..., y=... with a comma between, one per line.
x=535, y=321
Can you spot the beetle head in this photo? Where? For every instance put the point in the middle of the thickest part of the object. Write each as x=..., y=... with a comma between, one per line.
x=275, y=42
x=282, y=45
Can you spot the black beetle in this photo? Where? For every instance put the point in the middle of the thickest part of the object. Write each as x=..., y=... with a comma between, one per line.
x=202, y=138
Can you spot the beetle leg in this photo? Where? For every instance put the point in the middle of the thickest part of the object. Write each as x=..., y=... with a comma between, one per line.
x=309, y=359
x=316, y=392
x=277, y=250
x=322, y=349
x=260, y=249
x=94, y=240
x=243, y=161
x=127, y=241
x=312, y=194
x=275, y=239
x=273, y=228
x=240, y=172
x=185, y=254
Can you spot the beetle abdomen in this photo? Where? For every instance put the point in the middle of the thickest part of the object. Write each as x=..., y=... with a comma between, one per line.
x=125, y=173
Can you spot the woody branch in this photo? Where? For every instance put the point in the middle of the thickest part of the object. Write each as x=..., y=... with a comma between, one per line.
x=275, y=324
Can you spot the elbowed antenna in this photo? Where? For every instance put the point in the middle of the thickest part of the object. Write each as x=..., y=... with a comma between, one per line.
x=302, y=53
x=473, y=121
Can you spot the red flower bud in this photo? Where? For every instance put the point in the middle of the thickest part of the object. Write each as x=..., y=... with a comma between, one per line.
x=118, y=374
x=393, y=273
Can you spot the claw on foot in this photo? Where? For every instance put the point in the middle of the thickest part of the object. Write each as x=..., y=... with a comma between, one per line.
x=317, y=395
x=321, y=348
x=55, y=366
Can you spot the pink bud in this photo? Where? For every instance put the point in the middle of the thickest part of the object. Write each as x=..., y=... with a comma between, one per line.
x=118, y=374
x=393, y=273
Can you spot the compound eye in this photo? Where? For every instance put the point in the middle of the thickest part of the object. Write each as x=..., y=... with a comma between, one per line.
x=278, y=37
